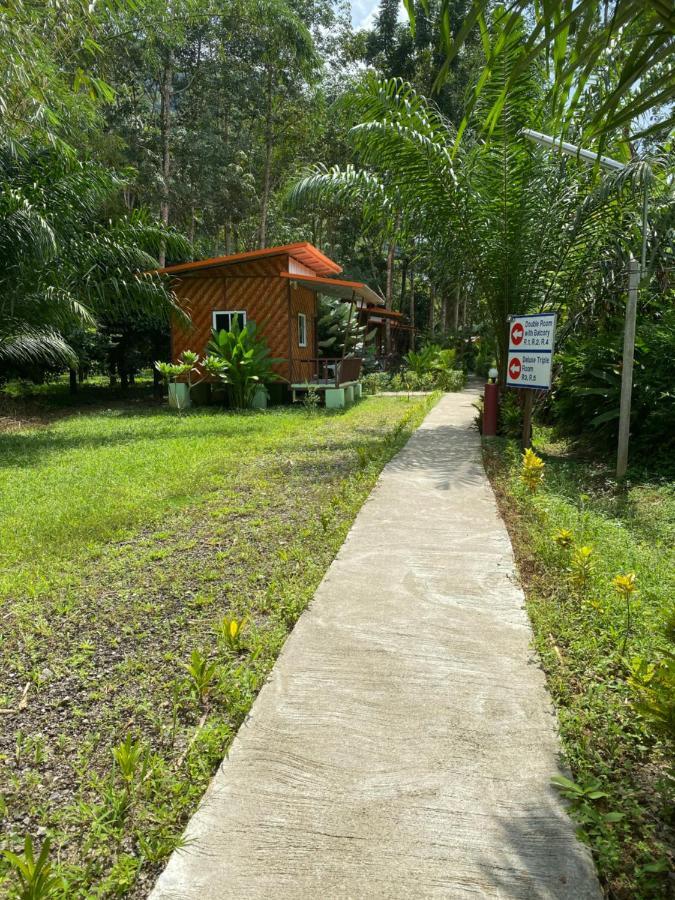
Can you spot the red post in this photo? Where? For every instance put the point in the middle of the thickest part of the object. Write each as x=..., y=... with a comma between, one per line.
x=490, y=410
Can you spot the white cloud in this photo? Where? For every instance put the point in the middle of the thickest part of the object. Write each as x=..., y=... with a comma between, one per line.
x=365, y=11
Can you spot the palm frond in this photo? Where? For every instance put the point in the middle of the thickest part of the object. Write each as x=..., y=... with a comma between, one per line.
x=37, y=346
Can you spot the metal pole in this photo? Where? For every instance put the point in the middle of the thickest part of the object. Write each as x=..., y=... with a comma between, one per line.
x=645, y=210
x=627, y=368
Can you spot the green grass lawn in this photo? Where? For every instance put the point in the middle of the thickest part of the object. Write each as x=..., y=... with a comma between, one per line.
x=129, y=539
x=607, y=664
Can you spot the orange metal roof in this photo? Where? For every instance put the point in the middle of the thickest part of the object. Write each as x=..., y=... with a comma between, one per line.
x=304, y=252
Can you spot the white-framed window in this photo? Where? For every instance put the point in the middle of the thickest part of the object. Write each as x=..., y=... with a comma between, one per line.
x=223, y=319
x=302, y=330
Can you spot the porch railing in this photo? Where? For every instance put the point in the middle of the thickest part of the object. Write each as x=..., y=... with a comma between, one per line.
x=327, y=371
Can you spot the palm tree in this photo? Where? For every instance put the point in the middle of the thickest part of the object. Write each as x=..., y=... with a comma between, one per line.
x=69, y=259
x=529, y=230
x=618, y=55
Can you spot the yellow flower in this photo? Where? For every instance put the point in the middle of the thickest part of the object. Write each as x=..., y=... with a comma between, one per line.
x=563, y=538
x=625, y=584
x=230, y=631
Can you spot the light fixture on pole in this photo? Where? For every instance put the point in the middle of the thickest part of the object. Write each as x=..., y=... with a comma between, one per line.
x=606, y=162
x=572, y=150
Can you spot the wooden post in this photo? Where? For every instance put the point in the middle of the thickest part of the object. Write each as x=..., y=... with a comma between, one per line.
x=627, y=369
x=352, y=304
x=528, y=400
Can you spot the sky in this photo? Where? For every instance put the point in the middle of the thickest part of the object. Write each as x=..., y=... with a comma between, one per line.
x=364, y=11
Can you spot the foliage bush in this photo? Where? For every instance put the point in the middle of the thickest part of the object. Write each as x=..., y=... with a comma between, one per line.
x=408, y=380
x=586, y=397
x=374, y=382
x=244, y=360
x=510, y=415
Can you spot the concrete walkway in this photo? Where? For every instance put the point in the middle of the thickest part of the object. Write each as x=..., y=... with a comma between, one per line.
x=404, y=744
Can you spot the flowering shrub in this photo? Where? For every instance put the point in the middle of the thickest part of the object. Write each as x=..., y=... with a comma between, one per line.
x=532, y=470
x=582, y=567
x=625, y=586
x=563, y=538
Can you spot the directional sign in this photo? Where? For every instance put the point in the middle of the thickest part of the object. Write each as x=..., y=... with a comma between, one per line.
x=532, y=332
x=531, y=342
x=515, y=368
x=517, y=333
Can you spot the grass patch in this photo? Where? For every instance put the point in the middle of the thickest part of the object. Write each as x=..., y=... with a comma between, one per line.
x=599, y=646
x=152, y=567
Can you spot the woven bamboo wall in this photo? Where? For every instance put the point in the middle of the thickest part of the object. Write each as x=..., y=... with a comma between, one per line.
x=256, y=288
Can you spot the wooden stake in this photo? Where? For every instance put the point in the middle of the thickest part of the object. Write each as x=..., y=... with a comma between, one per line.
x=528, y=399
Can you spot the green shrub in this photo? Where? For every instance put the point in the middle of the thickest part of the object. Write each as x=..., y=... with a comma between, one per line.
x=587, y=391
x=241, y=358
x=438, y=379
x=375, y=382
x=452, y=380
x=422, y=361
x=510, y=415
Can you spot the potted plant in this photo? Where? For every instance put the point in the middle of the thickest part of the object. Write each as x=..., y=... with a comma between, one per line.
x=186, y=368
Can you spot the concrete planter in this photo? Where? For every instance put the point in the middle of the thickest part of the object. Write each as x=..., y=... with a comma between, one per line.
x=179, y=396
x=259, y=400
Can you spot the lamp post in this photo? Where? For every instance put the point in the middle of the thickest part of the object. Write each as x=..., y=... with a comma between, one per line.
x=635, y=276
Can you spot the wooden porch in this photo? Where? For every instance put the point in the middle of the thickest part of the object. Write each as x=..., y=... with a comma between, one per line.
x=336, y=378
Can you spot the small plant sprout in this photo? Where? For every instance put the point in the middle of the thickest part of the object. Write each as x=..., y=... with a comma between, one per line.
x=582, y=566
x=311, y=400
x=363, y=454
x=35, y=875
x=563, y=538
x=585, y=799
x=130, y=757
x=202, y=674
x=625, y=587
x=532, y=470
x=230, y=632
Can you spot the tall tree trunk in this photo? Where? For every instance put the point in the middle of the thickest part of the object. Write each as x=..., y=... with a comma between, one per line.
x=432, y=303
x=458, y=291
x=166, y=96
x=191, y=233
x=267, y=174
x=412, y=308
x=389, y=294
x=157, y=382
x=72, y=376
x=444, y=313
